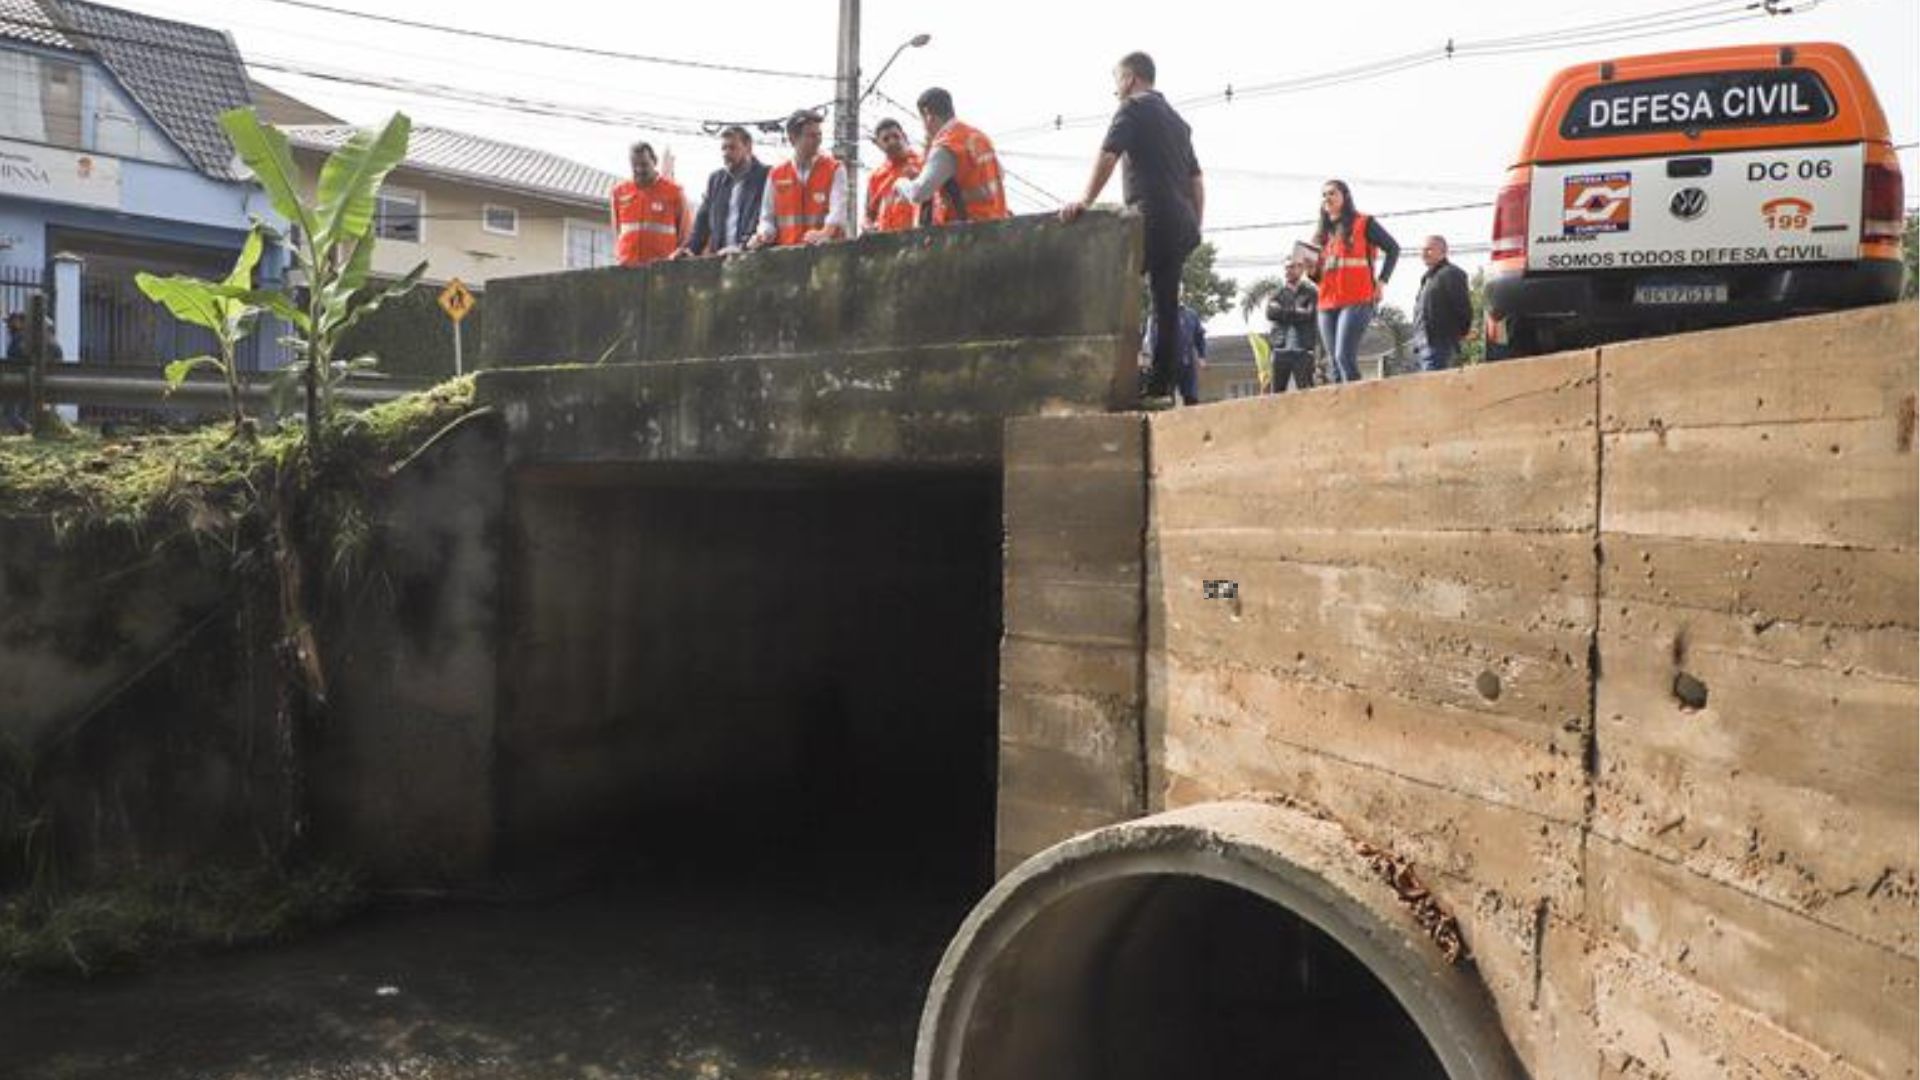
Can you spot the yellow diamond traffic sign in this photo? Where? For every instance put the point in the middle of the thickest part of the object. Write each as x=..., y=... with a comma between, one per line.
x=456, y=300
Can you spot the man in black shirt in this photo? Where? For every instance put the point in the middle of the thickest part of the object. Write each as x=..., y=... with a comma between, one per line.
x=1163, y=182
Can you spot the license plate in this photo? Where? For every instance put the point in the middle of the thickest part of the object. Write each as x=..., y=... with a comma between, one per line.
x=1680, y=294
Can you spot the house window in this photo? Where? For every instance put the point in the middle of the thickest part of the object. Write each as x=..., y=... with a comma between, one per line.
x=500, y=220
x=60, y=102
x=588, y=245
x=397, y=215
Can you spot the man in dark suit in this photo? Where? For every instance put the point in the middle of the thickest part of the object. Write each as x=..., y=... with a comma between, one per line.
x=730, y=213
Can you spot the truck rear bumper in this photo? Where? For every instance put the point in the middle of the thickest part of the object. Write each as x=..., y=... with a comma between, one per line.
x=1602, y=304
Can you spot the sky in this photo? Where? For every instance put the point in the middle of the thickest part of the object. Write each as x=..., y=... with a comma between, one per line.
x=1415, y=135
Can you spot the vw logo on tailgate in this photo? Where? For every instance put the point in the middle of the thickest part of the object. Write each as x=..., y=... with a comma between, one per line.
x=1688, y=203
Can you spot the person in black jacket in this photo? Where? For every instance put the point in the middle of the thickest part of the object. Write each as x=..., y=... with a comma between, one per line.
x=730, y=213
x=1293, y=309
x=1443, y=310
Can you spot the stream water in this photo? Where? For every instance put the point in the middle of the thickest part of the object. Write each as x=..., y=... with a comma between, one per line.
x=635, y=981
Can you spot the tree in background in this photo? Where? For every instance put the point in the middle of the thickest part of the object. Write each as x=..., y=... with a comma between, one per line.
x=1254, y=297
x=1206, y=292
x=1474, y=349
x=1911, y=284
x=1395, y=322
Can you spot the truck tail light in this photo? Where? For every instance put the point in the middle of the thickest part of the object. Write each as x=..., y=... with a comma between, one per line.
x=1510, y=222
x=1883, y=204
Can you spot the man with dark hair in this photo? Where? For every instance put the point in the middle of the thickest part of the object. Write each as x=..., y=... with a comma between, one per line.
x=886, y=210
x=1293, y=310
x=805, y=202
x=649, y=211
x=961, y=177
x=730, y=213
x=1162, y=182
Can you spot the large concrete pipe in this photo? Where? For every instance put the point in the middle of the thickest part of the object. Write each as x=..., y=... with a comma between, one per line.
x=1221, y=941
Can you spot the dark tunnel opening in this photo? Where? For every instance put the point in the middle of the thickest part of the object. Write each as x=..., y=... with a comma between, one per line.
x=1151, y=976
x=766, y=671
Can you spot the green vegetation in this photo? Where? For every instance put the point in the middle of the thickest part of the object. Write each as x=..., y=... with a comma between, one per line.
x=268, y=511
x=1399, y=327
x=332, y=246
x=1910, y=253
x=156, y=485
x=1206, y=292
x=1253, y=299
x=136, y=923
x=210, y=304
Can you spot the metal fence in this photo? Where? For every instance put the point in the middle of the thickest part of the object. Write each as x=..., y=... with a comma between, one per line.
x=18, y=286
x=120, y=325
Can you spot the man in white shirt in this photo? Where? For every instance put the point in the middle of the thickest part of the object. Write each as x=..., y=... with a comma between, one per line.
x=805, y=202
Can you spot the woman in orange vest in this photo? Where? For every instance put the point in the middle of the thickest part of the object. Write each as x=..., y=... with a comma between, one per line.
x=1349, y=289
x=649, y=211
x=886, y=210
x=805, y=201
x=962, y=173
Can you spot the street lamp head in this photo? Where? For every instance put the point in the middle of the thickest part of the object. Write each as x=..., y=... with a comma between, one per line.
x=919, y=40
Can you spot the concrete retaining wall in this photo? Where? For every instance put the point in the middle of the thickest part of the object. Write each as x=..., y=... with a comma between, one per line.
x=1477, y=614
x=1072, y=686
x=149, y=727
x=403, y=765
x=142, y=684
x=898, y=348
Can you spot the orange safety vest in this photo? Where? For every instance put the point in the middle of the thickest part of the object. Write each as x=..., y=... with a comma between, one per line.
x=888, y=211
x=801, y=206
x=976, y=172
x=646, y=220
x=1346, y=269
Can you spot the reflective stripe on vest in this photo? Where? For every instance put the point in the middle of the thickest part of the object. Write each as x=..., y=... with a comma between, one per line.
x=891, y=212
x=1346, y=269
x=801, y=206
x=647, y=220
x=976, y=174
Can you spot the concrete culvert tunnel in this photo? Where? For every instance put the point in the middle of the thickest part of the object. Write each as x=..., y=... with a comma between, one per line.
x=1217, y=943
x=759, y=669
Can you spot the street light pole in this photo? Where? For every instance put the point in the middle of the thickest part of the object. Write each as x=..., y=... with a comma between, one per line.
x=846, y=109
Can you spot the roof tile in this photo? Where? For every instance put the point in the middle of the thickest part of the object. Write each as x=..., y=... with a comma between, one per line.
x=461, y=156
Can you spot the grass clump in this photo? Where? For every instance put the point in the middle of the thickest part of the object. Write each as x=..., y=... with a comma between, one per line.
x=134, y=924
x=204, y=480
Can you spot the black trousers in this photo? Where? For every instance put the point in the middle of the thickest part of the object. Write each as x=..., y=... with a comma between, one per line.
x=1295, y=364
x=1164, y=263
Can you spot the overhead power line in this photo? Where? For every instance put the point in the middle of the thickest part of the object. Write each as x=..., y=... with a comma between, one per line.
x=1688, y=17
x=1298, y=222
x=657, y=122
x=554, y=46
x=1230, y=171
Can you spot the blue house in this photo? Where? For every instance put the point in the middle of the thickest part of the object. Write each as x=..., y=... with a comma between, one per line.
x=112, y=161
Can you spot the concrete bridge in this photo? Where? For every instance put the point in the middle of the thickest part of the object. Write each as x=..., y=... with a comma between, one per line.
x=1553, y=718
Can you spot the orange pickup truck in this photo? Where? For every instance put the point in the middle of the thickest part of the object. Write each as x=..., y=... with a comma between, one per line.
x=1692, y=189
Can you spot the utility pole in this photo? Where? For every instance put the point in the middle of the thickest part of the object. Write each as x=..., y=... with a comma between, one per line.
x=846, y=109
